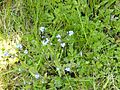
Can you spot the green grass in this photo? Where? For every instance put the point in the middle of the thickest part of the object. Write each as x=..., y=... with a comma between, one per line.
x=90, y=59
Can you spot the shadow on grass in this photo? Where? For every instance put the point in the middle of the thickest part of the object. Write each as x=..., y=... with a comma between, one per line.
x=9, y=48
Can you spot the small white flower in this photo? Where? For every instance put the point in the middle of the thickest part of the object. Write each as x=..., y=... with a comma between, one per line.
x=51, y=43
x=62, y=44
x=19, y=46
x=42, y=29
x=43, y=36
x=58, y=36
x=26, y=52
x=37, y=76
x=59, y=40
x=47, y=39
x=70, y=33
x=113, y=17
x=67, y=69
x=45, y=42
x=116, y=18
x=57, y=69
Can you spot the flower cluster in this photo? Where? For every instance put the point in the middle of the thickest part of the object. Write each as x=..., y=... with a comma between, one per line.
x=58, y=36
x=59, y=40
x=20, y=47
x=45, y=42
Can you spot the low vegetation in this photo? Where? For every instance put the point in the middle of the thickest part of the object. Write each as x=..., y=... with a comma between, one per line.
x=59, y=44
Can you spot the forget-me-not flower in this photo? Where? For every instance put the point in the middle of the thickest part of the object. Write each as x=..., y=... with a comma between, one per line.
x=26, y=52
x=37, y=76
x=59, y=40
x=45, y=42
x=42, y=29
x=58, y=36
x=43, y=36
x=6, y=54
x=67, y=69
x=57, y=69
x=70, y=33
x=51, y=43
x=19, y=46
x=62, y=44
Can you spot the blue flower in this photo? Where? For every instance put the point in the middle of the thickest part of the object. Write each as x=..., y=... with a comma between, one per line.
x=70, y=33
x=62, y=44
x=58, y=36
x=19, y=46
x=6, y=54
x=43, y=36
x=37, y=76
x=67, y=69
x=45, y=42
x=42, y=29
x=26, y=52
